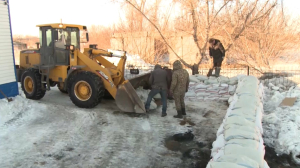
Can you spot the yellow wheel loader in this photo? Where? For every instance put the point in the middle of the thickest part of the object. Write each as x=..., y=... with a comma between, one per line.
x=86, y=77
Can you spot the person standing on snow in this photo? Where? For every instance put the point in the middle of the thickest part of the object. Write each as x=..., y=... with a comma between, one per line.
x=159, y=84
x=179, y=86
x=217, y=53
x=169, y=73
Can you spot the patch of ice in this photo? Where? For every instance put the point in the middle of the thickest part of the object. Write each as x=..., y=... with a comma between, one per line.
x=146, y=126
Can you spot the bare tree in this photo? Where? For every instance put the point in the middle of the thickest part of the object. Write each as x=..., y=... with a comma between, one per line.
x=136, y=35
x=267, y=41
x=218, y=21
x=100, y=35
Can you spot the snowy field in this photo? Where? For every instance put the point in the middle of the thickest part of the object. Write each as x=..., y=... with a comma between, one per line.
x=52, y=132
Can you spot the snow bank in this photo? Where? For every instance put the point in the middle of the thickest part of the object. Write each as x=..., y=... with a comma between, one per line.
x=210, y=88
x=239, y=140
x=282, y=123
x=132, y=60
x=279, y=84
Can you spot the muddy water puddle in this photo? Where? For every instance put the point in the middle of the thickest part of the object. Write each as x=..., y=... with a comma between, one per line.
x=194, y=154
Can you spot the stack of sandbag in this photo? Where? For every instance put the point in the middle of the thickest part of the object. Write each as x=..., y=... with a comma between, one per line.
x=239, y=140
x=210, y=88
x=213, y=80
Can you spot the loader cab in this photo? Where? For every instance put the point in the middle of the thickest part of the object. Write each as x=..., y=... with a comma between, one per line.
x=56, y=41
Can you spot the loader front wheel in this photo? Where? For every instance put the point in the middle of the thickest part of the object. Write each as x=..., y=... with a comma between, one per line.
x=32, y=85
x=87, y=89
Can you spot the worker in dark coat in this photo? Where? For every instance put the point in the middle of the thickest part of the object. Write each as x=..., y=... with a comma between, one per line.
x=179, y=86
x=159, y=84
x=217, y=53
x=169, y=72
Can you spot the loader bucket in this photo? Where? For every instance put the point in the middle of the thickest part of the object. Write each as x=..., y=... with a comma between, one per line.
x=127, y=99
x=141, y=80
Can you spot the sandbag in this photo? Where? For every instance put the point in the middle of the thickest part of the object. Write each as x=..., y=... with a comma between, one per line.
x=202, y=94
x=211, y=81
x=266, y=165
x=223, y=92
x=245, y=151
x=223, y=79
x=250, y=105
x=218, y=143
x=190, y=94
x=233, y=98
x=218, y=154
x=245, y=143
x=238, y=121
x=233, y=81
x=213, y=89
x=233, y=133
x=223, y=165
x=210, y=98
x=239, y=160
x=194, y=79
x=224, y=85
x=223, y=98
x=192, y=83
x=231, y=89
x=200, y=90
x=247, y=115
x=201, y=77
x=201, y=86
x=249, y=129
x=258, y=120
x=220, y=130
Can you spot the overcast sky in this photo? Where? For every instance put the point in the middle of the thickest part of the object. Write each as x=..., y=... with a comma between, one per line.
x=26, y=14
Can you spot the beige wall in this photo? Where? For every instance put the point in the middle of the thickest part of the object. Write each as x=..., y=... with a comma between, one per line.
x=142, y=43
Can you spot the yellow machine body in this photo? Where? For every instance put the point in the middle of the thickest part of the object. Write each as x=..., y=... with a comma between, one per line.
x=92, y=60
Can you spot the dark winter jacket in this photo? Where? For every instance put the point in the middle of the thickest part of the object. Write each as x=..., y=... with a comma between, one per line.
x=180, y=79
x=159, y=78
x=217, y=51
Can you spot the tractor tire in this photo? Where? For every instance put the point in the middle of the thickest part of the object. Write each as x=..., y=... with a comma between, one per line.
x=86, y=90
x=32, y=85
x=61, y=89
x=107, y=95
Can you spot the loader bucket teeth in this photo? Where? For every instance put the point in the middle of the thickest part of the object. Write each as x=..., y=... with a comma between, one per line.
x=127, y=99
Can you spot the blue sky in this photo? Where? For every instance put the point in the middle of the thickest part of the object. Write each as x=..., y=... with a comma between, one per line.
x=26, y=14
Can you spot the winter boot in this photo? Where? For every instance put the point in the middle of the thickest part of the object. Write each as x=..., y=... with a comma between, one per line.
x=179, y=114
x=183, y=111
x=218, y=69
x=164, y=114
x=209, y=72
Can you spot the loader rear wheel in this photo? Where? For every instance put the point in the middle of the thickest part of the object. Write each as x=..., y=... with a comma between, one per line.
x=32, y=85
x=87, y=89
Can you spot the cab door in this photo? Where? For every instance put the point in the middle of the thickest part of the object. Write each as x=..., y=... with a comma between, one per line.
x=47, y=46
x=61, y=54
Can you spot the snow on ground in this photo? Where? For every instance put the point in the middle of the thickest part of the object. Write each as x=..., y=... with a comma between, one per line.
x=282, y=123
x=52, y=132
